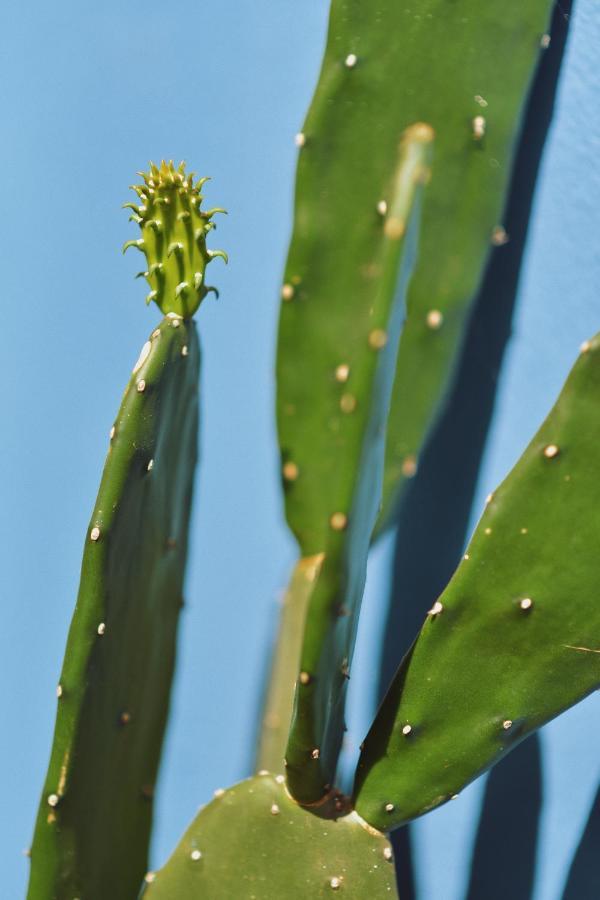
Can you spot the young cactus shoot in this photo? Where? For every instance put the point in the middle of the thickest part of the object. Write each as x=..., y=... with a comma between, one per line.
x=174, y=230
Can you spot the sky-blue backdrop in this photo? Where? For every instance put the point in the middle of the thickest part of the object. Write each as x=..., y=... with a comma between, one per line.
x=89, y=94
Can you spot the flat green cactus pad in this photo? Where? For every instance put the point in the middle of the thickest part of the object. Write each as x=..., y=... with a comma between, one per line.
x=515, y=638
x=464, y=68
x=93, y=826
x=252, y=842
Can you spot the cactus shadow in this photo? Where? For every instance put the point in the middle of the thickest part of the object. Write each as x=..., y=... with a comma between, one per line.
x=583, y=880
x=507, y=835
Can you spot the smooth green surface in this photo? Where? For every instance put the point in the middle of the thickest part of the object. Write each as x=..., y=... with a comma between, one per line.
x=93, y=826
x=437, y=62
x=358, y=407
x=253, y=843
x=277, y=711
x=516, y=640
x=174, y=229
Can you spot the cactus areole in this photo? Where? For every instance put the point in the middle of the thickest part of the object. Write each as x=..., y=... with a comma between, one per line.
x=174, y=230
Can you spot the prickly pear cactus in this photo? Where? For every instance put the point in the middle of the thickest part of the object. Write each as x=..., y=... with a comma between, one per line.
x=357, y=394
x=94, y=821
x=174, y=229
x=252, y=842
x=513, y=640
x=93, y=826
x=465, y=69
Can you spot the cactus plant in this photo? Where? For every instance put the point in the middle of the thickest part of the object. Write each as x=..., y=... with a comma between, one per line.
x=328, y=269
x=456, y=721
x=114, y=688
x=378, y=289
x=514, y=611
x=357, y=402
x=473, y=99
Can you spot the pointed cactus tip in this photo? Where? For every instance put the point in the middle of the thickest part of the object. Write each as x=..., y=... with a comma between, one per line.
x=169, y=212
x=214, y=254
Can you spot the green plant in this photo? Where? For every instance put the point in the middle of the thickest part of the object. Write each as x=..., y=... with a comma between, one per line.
x=114, y=687
x=392, y=237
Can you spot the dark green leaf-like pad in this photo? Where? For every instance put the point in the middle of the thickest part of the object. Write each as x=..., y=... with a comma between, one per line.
x=94, y=821
x=515, y=638
x=252, y=842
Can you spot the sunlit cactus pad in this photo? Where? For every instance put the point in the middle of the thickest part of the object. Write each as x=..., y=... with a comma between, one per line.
x=252, y=842
x=465, y=69
x=344, y=465
x=93, y=826
x=174, y=229
x=515, y=637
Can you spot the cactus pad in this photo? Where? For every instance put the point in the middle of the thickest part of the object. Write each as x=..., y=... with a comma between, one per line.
x=94, y=821
x=465, y=69
x=514, y=638
x=348, y=472
x=252, y=842
x=174, y=229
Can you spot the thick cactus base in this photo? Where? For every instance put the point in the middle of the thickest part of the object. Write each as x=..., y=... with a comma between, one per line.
x=252, y=842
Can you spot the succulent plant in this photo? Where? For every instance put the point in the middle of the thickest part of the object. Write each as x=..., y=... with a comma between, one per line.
x=412, y=143
x=114, y=688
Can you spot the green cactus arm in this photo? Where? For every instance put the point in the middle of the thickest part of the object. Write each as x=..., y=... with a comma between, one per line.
x=358, y=399
x=174, y=229
x=277, y=709
x=465, y=69
x=94, y=820
x=513, y=640
x=253, y=841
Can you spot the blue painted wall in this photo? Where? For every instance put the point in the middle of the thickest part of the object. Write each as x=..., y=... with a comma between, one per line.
x=89, y=95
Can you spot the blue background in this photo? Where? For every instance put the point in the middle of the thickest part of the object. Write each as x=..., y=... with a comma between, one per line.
x=89, y=94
